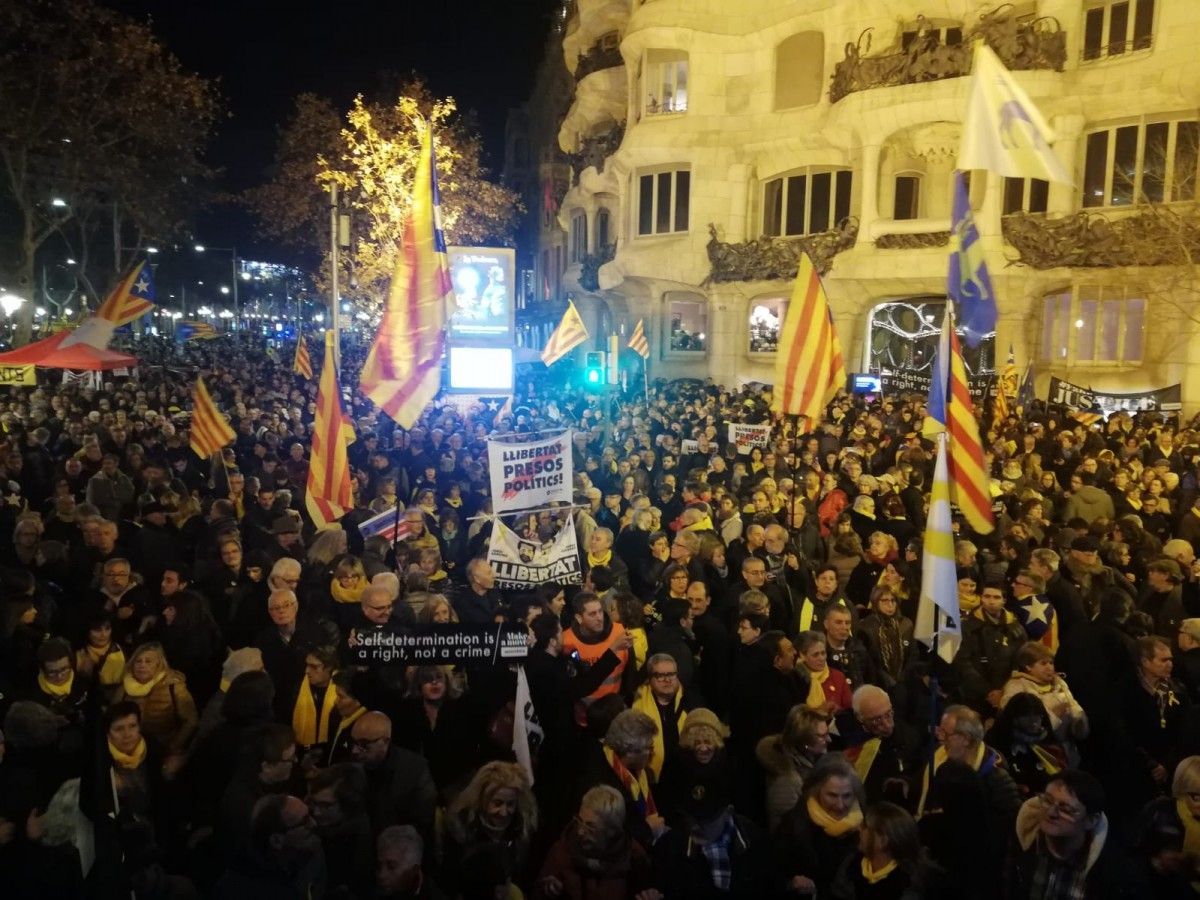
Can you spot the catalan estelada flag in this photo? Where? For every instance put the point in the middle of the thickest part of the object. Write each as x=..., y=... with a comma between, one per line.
x=328, y=496
x=302, y=365
x=952, y=412
x=637, y=341
x=403, y=370
x=192, y=330
x=131, y=299
x=809, y=369
x=570, y=333
x=210, y=431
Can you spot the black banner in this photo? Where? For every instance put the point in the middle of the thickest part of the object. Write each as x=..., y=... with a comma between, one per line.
x=1072, y=396
x=918, y=383
x=441, y=645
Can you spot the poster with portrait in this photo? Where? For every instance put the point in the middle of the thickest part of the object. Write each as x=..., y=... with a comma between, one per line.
x=484, y=294
x=522, y=564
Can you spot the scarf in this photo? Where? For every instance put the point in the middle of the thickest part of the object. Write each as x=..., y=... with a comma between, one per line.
x=874, y=876
x=347, y=722
x=968, y=603
x=816, y=688
x=939, y=757
x=602, y=560
x=891, y=645
x=453, y=502
x=58, y=691
x=128, y=760
x=643, y=701
x=639, y=787
x=852, y=821
x=109, y=662
x=308, y=728
x=704, y=523
x=347, y=595
x=134, y=688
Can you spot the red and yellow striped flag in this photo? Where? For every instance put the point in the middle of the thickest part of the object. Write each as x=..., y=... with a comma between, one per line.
x=809, y=369
x=403, y=370
x=328, y=496
x=210, y=430
x=132, y=298
x=638, y=342
x=968, y=479
x=302, y=365
x=1005, y=390
x=570, y=333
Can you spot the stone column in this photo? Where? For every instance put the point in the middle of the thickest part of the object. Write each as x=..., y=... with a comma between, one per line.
x=737, y=227
x=868, y=193
x=1064, y=197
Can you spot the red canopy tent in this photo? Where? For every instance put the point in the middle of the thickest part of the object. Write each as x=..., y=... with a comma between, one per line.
x=50, y=354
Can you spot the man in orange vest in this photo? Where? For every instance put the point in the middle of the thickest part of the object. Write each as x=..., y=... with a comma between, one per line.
x=595, y=640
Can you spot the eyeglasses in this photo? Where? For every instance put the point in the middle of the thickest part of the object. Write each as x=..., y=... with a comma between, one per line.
x=664, y=676
x=881, y=718
x=1063, y=810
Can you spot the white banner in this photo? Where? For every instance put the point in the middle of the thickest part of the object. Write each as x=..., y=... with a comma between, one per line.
x=523, y=565
x=530, y=474
x=746, y=436
x=527, y=729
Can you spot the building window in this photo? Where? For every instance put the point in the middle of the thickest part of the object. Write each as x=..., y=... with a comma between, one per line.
x=932, y=35
x=766, y=320
x=1093, y=324
x=689, y=322
x=666, y=82
x=602, y=229
x=663, y=201
x=1113, y=28
x=579, y=236
x=811, y=201
x=1026, y=195
x=799, y=70
x=907, y=202
x=1150, y=162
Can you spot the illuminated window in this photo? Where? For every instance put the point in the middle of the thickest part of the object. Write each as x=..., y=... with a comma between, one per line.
x=688, y=317
x=1093, y=324
x=1150, y=162
x=809, y=201
x=664, y=199
x=665, y=82
x=1026, y=195
x=766, y=321
x=1113, y=28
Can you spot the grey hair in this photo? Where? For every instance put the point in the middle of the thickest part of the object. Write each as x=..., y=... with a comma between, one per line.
x=864, y=693
x=966, y=722
x=607, y=803
x=659, y=658
x=629, y=730
x=405, y=839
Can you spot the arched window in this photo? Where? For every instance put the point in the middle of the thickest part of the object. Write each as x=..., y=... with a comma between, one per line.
x=808, y=201
x=799, y=70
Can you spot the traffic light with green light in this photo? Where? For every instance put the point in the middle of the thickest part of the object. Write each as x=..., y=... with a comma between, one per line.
x=593, y=369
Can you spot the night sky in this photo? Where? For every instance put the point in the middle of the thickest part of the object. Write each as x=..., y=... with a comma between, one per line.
x=482, y=53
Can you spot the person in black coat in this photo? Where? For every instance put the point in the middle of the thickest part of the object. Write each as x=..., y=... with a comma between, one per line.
x=675, y=638
x=714, y=679
x=285, y=644
x=821, y=832
x=433, y=721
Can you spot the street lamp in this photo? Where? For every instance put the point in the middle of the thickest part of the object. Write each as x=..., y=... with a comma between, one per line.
x=200, y=248
x=58, y=203
x=233, y=266
x=151, y=249
x=224, y=289
x=10, y=303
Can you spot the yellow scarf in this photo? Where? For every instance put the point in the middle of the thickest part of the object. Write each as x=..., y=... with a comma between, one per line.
x=307, y=728
x=939, y=757
x=852, y=821
x=874, y=877
x=111, y=661
x=128, y=760
x=134, y=688
x=348, y=595
x=602, y=560
x=1191, y=833
x=452, y=502
x=639, y=786
x=756, y=467
x=348, y=721
x=866, y=757
x=643, y=701
x=816, y=689
x=56, y=690
x=968, y=603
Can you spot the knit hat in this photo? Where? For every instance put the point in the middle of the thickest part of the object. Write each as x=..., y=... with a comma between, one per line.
x=706, y=718
x=1085, y=543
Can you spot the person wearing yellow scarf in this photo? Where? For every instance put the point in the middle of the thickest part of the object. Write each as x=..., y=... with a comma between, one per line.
x=975, y=758
x=873, y=875
x=347, y=589
x=309, y=726
x=107, y=663
x=645, y=701
x=57, y=689
x=599, y=559
x=816, y=688
x=128, y=760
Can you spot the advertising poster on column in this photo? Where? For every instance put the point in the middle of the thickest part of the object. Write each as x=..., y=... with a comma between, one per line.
x=483, y=294
x=521, y=564
x=530, y=474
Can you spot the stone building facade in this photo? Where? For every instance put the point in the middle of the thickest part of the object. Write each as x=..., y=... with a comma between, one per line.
x=708, y=140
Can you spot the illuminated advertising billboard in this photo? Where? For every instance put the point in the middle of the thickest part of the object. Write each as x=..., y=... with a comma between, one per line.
x=486, y=369
x=484, y=295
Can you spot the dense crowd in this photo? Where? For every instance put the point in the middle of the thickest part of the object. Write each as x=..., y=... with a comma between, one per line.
x=731, y=704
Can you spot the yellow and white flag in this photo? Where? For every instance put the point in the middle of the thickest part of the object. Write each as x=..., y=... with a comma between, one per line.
x=1003, y=131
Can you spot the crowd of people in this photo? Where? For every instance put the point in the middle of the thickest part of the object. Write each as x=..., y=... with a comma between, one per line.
x=731, y=704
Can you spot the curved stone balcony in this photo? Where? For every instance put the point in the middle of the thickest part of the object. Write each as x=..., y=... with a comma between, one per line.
x=1021, y=45
x=600, y=100
x=1156, y=234
x=591, y=20
x=772, y=259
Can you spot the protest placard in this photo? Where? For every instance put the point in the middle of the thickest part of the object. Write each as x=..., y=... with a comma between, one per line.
x=531, y=473
x=440, y=645
x=522, y=564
